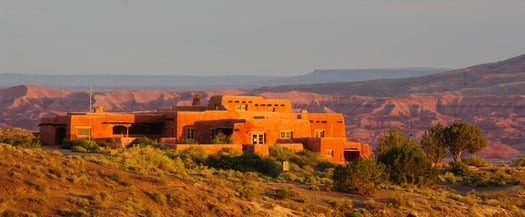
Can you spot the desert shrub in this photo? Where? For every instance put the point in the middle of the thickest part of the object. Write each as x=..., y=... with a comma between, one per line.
x=87, y=145
x=100, y=196
x=407, y=164
x=476, y=161
x=247, y=190
x=80, y=149
x=186, y=141
x=14, y=132
x=221, y=138
x=459, y=168
x=23, y=142
x=150, y=159
x=159, y=198
x=194, y=155
x=245, y=163
x=504, y=200
x=361, y=176
x=145, y=141
x=314, y=188
x=448, y=177
x=280, y=153
x=519, y=162
x=282, y=193
x=356, y=214
x=343, y=207
x=399, y=198
x=82, y=202
x=307, y=157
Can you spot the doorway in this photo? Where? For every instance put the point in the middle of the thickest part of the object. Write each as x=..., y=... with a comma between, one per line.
x=60, y=135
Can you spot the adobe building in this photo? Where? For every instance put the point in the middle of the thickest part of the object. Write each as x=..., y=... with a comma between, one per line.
x=251, y=122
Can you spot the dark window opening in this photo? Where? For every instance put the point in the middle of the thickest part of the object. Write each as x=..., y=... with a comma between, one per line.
x=119, y=130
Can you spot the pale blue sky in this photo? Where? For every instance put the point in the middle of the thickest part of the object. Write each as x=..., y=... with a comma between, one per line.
x=267, y=37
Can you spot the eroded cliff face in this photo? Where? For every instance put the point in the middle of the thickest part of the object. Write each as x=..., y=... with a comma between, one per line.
x=502, y=118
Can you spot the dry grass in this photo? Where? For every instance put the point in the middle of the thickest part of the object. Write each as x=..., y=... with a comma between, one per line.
x=152, y=184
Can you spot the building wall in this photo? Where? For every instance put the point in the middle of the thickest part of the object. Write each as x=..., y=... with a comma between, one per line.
x=332, y=123
x=242, y=116
x=250, y=103
x=243, y=125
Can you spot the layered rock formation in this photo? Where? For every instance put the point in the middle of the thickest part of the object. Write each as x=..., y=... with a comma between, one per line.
x=491, y=96
x=501, y=118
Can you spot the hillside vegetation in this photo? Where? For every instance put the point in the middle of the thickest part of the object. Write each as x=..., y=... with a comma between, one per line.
x=148, y=181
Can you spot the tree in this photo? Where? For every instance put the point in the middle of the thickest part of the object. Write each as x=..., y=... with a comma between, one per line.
x=463, y=136
x=361, y=176
x=408, y=164
x=393, y=138
x=433, y=143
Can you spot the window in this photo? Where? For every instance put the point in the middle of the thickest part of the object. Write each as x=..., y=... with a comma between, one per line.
x=330, y=152
x=241, y=107
x=286, y=134
x=190, y=133
x=119, y=130
x=318, y=133
x=83, y=132
x=258, y=138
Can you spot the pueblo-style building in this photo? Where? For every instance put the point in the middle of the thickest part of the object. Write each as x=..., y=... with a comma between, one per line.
x=251, y=123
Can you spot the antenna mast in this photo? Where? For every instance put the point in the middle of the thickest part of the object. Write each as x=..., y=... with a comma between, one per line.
x=90, y=95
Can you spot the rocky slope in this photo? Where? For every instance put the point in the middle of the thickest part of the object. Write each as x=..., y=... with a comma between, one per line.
x=501, y=118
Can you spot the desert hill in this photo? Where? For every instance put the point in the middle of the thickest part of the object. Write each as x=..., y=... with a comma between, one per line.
x=152, y=182
x=500, y=78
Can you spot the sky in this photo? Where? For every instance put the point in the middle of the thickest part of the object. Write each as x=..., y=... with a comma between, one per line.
x=242, y=37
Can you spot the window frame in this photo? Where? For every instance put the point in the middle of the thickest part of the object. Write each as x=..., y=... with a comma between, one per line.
x=286, y=134
x=190, y=133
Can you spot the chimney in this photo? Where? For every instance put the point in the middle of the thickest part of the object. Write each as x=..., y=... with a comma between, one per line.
x=99, y=109
x=196, y=99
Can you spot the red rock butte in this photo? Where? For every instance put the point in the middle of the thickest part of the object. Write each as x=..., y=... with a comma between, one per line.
x=252, y=124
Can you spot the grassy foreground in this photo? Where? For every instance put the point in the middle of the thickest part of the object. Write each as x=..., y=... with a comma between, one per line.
x=153, y=182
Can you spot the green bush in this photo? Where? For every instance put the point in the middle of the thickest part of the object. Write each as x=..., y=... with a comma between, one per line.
x=361, y=176
x=159, y=198
x=78, y=148
x=407, y=164
x=476, y=161
x=83, y=145
x=247, y=190
x=459, y=168
x=306, y=157
x=194, y=155
x=282, y=193
x=186, y=141
x=145, y=141
x=221, y=139
x=23, y=142
x=245, y=163
x=14, y=132
x=280, y=153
